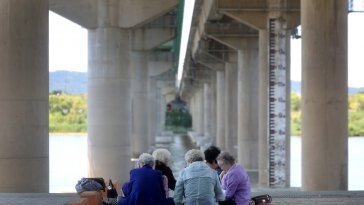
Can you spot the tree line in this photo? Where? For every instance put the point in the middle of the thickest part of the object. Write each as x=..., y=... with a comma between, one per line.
x=355, y=111
x=68, y=113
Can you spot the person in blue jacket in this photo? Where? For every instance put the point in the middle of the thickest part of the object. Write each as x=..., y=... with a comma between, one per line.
x=146, y=184
x=197, y=184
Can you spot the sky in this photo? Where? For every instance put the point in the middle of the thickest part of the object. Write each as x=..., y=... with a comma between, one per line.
x=68, y=46
x=355, y=52
x=187, y=17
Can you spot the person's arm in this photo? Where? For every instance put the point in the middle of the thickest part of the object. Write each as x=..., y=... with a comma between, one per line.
x=218, y=191
x=127, y=186
x=126, y=189
x=171, y=179
x=232, y=182
x=179, y=190
x=221, y=175
x=165, y=185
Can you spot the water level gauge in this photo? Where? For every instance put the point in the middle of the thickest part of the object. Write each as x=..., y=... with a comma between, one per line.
x=277, y=103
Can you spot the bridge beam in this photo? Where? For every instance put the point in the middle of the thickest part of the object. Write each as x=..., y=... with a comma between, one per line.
x=155, y=33
x=127, y=13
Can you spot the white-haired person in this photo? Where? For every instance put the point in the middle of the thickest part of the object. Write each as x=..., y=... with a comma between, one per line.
x=234, y=179
x=162, y=158
x=197, y=183
x=145, y=186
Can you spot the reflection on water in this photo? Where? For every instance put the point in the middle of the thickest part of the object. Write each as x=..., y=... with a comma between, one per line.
x=356, y=165
x=68, y=162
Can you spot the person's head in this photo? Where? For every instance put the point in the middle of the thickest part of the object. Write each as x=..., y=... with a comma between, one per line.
x=162, y=155
x=145, y=159
x=211, y=154
x=225, y=160
x=194, y=155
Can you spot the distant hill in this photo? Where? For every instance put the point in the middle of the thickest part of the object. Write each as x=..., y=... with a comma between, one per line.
x=355, y=90
x=68, y=81
x=296, y=88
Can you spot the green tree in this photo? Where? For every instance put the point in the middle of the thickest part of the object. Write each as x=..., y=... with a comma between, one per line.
x=356, y=114
x=178, y=121
x=355, y=110
x=296, y=115
x=295, y=102
x=67, y=113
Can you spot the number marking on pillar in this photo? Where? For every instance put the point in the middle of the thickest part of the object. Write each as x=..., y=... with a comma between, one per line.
x=277, y=104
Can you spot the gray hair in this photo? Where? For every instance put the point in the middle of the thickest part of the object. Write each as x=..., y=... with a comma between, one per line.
x=226, y=158
x=146, y=159
x=162, y=155
x=194, y=155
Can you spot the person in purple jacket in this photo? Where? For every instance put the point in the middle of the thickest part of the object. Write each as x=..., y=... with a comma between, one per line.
x=234, y=180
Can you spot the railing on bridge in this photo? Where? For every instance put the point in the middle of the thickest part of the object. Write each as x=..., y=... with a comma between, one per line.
x=356, y=5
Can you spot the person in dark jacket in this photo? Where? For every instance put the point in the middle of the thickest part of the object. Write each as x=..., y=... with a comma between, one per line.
x=146, y=184
x=162, y=158
x=211, y=154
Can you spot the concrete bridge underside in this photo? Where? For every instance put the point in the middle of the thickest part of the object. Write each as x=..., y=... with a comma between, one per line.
x=228, y=80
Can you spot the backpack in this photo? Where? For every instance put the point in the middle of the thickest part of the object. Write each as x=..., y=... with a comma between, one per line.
x=90, y=184
x=265, y=199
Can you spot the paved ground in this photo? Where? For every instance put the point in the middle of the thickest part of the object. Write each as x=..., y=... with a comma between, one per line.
x=280, y=197
x=178, y=145
x=36, y=199
x=284, y=197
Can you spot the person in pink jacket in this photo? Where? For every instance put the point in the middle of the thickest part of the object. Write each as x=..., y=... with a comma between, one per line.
x=234, y=180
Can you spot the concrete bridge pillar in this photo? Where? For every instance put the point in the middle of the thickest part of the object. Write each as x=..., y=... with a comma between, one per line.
x=140, y=102
x=191, y=106
x=220, y=109
x=195, y=111
x=231, y=108
x=161, y=108
x=213, y=109
x=200, y=111
x=192, y=111
x=324, y=95
x=152, y=110
x=248, y=104
x=207, y=109
x=109, y=94
x=24, y=149
x=244, y=40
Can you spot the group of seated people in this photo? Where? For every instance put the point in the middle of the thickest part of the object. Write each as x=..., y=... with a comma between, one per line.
x=210, y=177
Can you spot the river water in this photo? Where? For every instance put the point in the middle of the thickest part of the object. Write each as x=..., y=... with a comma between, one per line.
x=68, y=162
